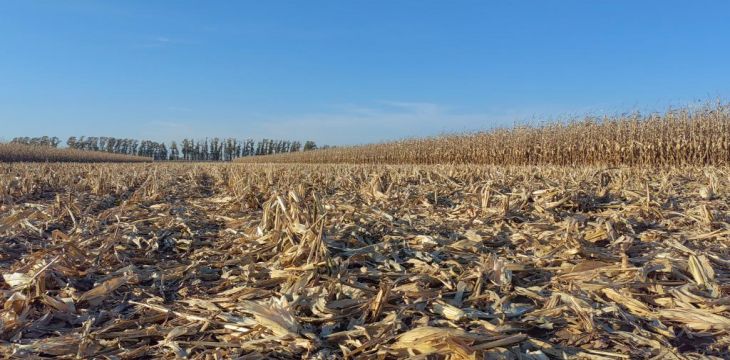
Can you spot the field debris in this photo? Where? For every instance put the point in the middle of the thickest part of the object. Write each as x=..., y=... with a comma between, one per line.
x=248, y=261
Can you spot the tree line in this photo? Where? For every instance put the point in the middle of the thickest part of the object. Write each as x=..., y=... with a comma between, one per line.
x=39, y=141
x=213, y=149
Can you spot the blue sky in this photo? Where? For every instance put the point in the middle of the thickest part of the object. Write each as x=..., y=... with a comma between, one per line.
x=347, y=71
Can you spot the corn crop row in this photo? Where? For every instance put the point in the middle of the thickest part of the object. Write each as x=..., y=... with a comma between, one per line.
x=30, y=153
x=676, y=138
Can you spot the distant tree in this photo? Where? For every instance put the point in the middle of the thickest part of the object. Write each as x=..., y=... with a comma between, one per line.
x=204, y=151
x=310, y=145
x=214, y=155
x=295, y=146
x=186, y=149
x=162, y=152
x=110, y=144
x=37, y=141
x=93, y=142
x=239, y=150
x=174, y=154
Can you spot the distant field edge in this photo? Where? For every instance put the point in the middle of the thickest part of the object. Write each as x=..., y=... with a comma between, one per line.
x=41, y=154
x=683, y=137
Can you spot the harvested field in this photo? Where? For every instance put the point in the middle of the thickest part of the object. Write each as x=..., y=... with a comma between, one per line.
x=30, y=153
x=124, y=261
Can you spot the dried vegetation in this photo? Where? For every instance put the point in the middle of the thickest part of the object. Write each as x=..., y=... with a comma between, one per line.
x=31, y=153
x=676, y=138
x=124, y=261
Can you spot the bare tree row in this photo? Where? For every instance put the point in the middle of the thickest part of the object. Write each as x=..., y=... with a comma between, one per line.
x=213, y=149
x=40, y=141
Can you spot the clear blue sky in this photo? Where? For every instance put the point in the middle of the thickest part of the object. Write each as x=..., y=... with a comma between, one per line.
x=347, y=71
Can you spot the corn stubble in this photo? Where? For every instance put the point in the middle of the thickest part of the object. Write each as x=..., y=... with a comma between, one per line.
x=206, y=261
x=30, y=153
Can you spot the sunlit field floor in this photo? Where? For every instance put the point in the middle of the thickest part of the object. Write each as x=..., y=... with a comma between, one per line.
x=209, y=261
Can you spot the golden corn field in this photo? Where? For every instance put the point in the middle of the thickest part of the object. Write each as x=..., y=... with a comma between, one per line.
x=28, y=153
x=676, y=138
x=258, y=261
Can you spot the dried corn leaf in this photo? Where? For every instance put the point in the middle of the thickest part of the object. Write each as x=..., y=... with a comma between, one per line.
x=697, y=319
x=273, y=316
x=97, y=294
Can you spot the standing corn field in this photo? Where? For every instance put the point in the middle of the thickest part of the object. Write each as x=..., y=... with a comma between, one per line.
x=32, y=153
x=676, y=138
